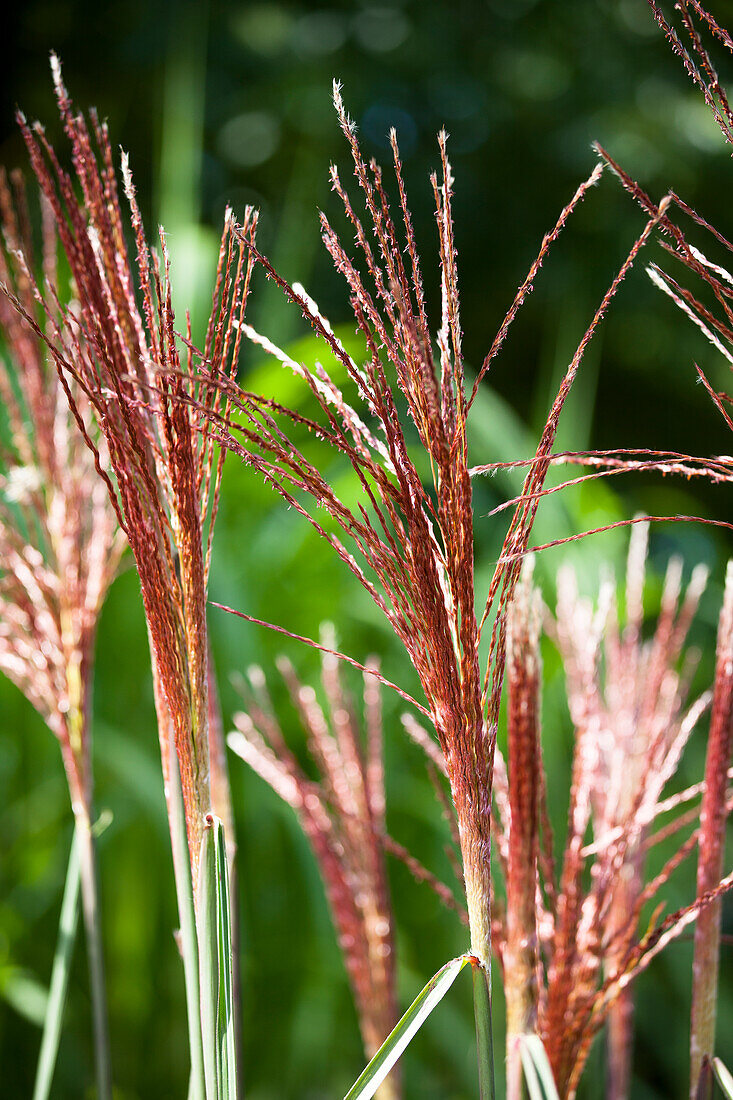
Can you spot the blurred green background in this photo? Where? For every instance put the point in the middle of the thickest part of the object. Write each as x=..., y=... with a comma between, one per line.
x=230, y=103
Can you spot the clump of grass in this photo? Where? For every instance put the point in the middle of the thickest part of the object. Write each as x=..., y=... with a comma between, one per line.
x=60, y=543
x=413, y=542
x=569, y=946
x=342, y=815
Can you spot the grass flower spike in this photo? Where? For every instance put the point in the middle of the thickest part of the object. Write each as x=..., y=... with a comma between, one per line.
x=342, y=815
x=146, y=387
x=409, y=540
x=627, y=701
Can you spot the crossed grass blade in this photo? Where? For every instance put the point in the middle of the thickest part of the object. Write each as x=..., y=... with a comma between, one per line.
x=537, y=1069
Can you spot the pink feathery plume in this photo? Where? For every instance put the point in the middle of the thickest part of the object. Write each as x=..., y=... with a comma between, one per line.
x=342, y=815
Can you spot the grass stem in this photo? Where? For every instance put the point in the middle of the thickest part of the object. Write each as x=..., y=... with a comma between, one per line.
x=484, y=1037
x=92, y=928
x=188, y=938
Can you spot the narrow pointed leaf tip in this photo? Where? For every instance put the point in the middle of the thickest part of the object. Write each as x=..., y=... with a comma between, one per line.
x=724, y=1078
x=399, y=1039
x=537, y=1069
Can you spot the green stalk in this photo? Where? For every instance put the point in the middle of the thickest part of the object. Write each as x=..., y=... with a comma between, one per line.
x=484, y=1038
x=68, y=922
x=90, y=906
x=208, y=961
x=475, y=844
x=80, y=789
x=215, y=966
x=187, y=920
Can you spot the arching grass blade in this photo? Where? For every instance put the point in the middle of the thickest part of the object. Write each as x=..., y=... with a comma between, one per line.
x=396, y=1042
x=724, y=1078
x=537, y=1069
x=68, y=922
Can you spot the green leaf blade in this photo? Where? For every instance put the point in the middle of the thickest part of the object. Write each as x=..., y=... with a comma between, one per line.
x=537, y=1069
x=208, y=950
x=724, y=1078
x=68, y=922
x=400, y=1037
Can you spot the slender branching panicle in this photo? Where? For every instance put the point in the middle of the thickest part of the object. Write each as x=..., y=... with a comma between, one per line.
x=342, y=815
x=708, y=307
x=413, y=541
x=146, y=394
x=60, y=543
x=713, y=817
x=714, y=317
x=627, y=702
x=698, y=62
x=151, y=394
x=416, y=541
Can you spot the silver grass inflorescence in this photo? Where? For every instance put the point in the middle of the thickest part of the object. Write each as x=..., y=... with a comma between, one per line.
x=150, y=393
x=342, y=816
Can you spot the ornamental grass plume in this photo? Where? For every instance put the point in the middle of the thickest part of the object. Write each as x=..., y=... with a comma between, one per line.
x=627, y=698
x=413, y=541
x=573, y=941
x=342, y=816
x=710, y=307
x=146, y=387
x=60, y=543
